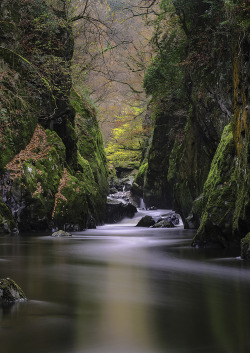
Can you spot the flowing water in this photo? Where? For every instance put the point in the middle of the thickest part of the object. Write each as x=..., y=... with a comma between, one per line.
x=121, y=289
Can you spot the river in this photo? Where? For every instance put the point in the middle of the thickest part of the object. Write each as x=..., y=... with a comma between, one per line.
x=121, y=289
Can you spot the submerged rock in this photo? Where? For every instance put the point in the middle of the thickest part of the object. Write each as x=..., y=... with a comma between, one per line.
x=245, y=247
x=146, y=221
x=10, y=292
x=61, y=233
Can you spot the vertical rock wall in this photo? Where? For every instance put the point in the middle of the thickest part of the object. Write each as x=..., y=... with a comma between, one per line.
x=46, y=179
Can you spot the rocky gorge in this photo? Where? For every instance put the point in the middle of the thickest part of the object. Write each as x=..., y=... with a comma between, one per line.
x=124, y=176
x=54, y=172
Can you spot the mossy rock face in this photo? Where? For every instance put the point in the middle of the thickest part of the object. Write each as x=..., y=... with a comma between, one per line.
x=190, y=162
x=10, y=292
x=245, y=247
x=34, y=175
x=219, y=196
x=7, y=221
x=194, y=218
x=36, y=85
x=138, y=183
x=36, y=77
x=157, y=189
x=90, y=142
x=44, y=193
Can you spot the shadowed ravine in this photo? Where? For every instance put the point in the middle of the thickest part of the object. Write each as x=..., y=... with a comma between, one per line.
x=121, y=289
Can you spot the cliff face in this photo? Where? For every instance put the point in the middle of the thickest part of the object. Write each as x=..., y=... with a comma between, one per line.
x=207, y=170
x=210, y=111
x=226, y=204
x=47, y=179
x=194, y=76
x=157, y=187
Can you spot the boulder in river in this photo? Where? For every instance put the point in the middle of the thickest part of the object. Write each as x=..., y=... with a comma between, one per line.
x=61, y=233
x=165, y=223
x=117, y=210
x=10, y=292
x=146, y=221
x=171, y=217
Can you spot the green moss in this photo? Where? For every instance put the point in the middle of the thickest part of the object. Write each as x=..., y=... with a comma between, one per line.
x=71, y=202
x=219, y=195
x=172, y=162
x=37, y=172
x=86, y=169
x=138, y=183
x=15, y=133
x=90, y=142
x=10, y=291
x=139, y=178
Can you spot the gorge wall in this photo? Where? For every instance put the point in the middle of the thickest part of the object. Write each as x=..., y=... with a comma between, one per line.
x=199, y=170
x=52, y=162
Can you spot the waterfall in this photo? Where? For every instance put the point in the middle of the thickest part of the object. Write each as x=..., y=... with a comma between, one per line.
x=142, y=204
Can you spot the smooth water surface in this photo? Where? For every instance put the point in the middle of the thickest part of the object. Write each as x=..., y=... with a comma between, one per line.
x=121, y=289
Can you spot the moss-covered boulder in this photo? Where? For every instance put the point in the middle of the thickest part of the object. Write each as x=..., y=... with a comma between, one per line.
x=61, y=233
x=219, y=196
x=10, y=292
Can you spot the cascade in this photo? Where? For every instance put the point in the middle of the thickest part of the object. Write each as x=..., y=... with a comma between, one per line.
x=142, y=204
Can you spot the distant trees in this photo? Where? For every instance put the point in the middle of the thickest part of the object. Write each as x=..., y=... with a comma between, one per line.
x=111, y=55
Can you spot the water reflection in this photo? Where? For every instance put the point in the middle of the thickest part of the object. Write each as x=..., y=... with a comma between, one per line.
x=118, y=289
x=124, y=323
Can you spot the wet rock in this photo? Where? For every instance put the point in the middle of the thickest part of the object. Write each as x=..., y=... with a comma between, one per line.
x=171, y=217
x=164, y=224
x=10, y=292
x=146, y=221
x=245, y=247
x=61, y=233
x=117, y=210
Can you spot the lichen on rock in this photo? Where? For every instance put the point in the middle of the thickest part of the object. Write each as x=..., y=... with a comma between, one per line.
x=10, y=292
x=61, y=233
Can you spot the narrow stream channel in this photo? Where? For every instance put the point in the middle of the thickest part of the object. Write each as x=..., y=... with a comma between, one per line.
x=121, y=289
